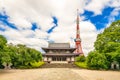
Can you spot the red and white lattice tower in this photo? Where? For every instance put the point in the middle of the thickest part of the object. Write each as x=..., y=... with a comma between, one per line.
x=78, y=39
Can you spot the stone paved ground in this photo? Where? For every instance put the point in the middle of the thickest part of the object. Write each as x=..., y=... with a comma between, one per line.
x=58, y=74
x=40, y=74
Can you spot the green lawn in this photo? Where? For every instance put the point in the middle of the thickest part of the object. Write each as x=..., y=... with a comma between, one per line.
x=81, y=64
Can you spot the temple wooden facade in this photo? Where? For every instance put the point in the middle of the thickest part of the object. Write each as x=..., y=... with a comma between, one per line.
x=59, y=52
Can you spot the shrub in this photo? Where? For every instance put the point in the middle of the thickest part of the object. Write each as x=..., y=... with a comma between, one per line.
x=81, y=64
x=31, y=65
x=96, y=60
x=36, y=64
x=80, y=59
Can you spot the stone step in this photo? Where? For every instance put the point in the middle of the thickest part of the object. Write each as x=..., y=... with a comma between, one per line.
x=59, y=62
x=59, y=65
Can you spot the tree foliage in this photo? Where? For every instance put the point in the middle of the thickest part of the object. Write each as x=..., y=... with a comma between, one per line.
x=97, y=61
x=107, y=48
x=19, y=55
x=3, y=42
x=109, y=40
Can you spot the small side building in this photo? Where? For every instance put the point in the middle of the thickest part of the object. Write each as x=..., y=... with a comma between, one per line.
x=59, y=52
x=115, y=65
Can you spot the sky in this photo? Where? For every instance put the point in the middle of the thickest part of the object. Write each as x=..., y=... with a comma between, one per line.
x=36, y=23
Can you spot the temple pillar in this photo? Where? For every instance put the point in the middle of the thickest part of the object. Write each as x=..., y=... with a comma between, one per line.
x=45, y=58
x=50, y=59
x=72, y=59
x=68, y=59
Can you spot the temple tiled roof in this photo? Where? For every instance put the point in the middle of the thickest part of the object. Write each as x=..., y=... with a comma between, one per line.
x=59, y=48
x=70, y=49
x=53, y=54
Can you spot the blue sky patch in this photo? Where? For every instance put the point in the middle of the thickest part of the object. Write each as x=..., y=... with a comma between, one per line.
x=55, y=21
x=34, y=26
x=4, y=20
x=99, y=21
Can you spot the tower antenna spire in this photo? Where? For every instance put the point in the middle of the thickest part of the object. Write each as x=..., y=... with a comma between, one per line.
x=78, y=39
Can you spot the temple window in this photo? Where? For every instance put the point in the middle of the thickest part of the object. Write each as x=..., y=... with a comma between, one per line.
x=67, y=51
x=50, y=51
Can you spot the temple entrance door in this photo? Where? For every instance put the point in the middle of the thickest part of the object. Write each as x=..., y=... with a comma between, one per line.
x=59, y=58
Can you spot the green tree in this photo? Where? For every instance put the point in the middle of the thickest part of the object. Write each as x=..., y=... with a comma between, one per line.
x=19, y=55
x=3, y=42
x=26, y=55
x=97, y=61
x=3, y=54
x=109, y=40
x=107, y=47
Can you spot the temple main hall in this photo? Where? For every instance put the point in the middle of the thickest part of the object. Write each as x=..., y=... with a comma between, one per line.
x=63, y=51
x=59, y=52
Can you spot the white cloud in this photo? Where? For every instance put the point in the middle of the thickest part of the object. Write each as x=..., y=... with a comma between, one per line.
x=88, y=36
x=97, y=6
x=27, y=37
x=24, y=12
x=114, y=3
x=20, y=22
x=113, y=14
x=40, y=34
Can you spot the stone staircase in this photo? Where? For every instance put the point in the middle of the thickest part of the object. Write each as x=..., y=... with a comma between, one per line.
x=59, y=65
